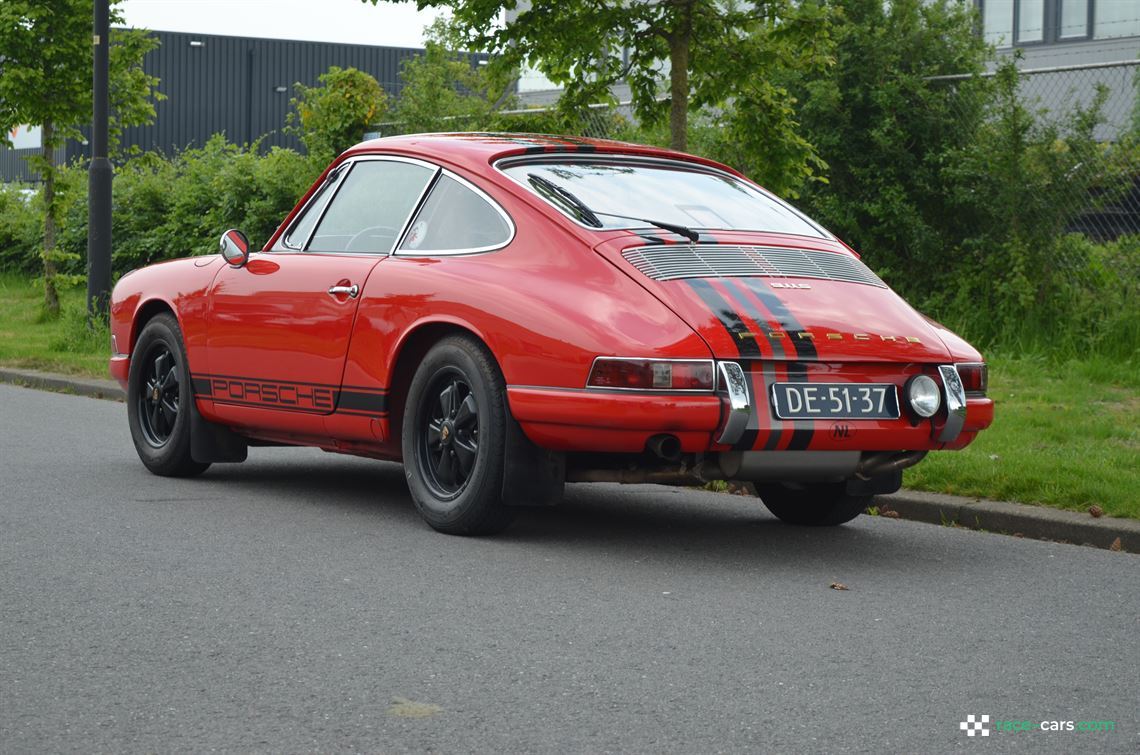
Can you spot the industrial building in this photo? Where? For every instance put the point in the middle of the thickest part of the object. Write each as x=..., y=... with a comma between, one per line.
x=238, y=86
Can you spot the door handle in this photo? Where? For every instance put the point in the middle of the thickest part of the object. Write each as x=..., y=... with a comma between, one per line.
x=352, y=291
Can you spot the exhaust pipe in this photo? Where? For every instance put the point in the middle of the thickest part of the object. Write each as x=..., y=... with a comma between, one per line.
x=666, y=447
x=874, y=465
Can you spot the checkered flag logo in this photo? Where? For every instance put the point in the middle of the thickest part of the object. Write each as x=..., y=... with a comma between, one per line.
x=975, y=724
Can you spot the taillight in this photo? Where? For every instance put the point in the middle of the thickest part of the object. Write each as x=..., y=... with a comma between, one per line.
x=975, y=377
x=652, y=374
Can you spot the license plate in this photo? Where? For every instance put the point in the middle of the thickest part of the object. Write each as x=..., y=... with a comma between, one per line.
x=835, y=401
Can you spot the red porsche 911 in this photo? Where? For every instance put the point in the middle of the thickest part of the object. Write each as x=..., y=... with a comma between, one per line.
x=505, y=313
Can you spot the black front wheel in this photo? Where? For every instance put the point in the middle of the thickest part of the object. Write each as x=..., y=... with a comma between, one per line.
x=158, y=400
x=453, y=439
x=812, y=505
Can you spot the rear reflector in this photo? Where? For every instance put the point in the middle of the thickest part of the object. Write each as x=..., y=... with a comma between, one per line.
x=652, y=374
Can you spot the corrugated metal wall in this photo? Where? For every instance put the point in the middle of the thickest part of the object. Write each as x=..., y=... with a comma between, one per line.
x=241, y=86
x=238, y=86
x=14, y=164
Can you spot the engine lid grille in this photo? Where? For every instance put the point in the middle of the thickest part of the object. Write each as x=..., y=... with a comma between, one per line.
x=676, y=261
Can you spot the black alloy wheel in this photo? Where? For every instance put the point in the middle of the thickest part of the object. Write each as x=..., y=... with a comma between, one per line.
x=453, y=439
x=158, y=400
x=158, y=397
x=449, y=442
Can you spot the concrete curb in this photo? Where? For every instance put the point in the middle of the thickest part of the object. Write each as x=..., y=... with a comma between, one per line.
x=50, y=381
x=1015, y=519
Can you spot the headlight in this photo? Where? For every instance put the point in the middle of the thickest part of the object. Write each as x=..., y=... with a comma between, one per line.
x=923, y=395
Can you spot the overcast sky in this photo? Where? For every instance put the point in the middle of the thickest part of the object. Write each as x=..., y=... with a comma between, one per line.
x=349, y=21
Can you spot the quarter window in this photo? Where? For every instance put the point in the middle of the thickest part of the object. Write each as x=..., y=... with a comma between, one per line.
x=295, y=237
x=455, y=218
x=370, y=209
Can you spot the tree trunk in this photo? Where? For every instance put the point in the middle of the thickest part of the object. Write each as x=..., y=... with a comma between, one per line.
x=51, y=296
x=679, y=42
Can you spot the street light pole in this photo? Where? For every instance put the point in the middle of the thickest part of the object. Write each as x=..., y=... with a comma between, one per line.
x=100, y=173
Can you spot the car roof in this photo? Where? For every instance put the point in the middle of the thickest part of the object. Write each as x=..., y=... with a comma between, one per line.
x=478, y=149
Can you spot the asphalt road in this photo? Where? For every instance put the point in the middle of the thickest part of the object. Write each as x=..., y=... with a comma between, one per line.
x=296, y=603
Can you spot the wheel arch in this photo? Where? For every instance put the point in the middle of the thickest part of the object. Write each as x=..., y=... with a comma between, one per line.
x=408, y=354
x=147, y=312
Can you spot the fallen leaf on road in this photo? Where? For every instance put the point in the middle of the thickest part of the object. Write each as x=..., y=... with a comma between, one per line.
x=404, y=708
x=839, y=585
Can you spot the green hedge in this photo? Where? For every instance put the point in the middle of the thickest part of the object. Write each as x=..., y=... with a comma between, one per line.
x=167, y=207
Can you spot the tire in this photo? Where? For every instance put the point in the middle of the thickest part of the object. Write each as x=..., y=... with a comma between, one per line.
x=158, y=400
x=453, y=439
x=818, y=505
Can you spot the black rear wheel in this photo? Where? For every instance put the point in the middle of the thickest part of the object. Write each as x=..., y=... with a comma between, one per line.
x=158, y=400
x=812, y=505
x=453, y=439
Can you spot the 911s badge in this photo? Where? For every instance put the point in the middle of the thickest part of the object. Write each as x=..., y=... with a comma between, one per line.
x=789, y=285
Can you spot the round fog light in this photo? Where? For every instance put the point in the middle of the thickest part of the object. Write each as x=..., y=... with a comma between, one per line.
x=923, y=394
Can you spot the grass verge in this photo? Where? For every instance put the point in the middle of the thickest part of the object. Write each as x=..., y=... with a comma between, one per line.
x=66, y=344
x=1066, y=434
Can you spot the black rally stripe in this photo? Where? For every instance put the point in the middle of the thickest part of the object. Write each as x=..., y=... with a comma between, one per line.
x=362, y=401
x=804, y=347
x=802, y=435
x=744, y=339
x=202, y=386
x=745, y=347
x=777, y=430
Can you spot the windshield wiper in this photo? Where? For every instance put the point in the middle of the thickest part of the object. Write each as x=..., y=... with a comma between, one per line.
x=591, y=216
x=576, y=204
x=680, y=230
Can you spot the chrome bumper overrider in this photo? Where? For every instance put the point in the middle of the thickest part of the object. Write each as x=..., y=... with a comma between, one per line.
x=735, y=384
x=955, y=403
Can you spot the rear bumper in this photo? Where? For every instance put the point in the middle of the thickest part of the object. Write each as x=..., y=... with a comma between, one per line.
x=612, y=421
x=589, y=420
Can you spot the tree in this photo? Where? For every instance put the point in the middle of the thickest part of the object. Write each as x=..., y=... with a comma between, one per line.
x=46, y=57
x=888, y=130
x=443, y=91
x=710, y=50
x=332, y=117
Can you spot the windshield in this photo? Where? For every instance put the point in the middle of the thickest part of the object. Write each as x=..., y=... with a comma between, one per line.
x=593, y=192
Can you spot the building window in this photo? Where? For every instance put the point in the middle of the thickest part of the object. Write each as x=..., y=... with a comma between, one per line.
x=1030, y=21
x=1116, y=18
x=997, y=22
x=1074, y=19
x=1007, y=23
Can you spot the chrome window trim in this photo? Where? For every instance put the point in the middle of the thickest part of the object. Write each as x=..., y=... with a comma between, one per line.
x=651, y=391
x=344, y=168
x=562, y=157
x=429, y=253
x=403, y=228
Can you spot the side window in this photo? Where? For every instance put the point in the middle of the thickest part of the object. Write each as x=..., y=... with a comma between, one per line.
x=370, y=210
x=295, y=237
x=455, y=218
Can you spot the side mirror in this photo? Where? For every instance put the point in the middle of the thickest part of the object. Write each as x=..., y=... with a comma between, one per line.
x=234, y=247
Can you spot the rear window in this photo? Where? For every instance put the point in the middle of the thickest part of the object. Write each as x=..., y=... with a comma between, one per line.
x=616, y=193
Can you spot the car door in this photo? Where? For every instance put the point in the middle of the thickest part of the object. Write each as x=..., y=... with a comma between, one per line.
x=279, y=326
